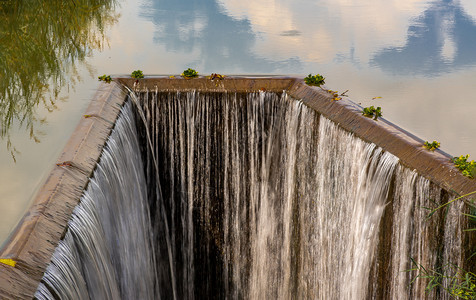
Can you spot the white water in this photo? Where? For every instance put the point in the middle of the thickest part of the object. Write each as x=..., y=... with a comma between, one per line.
x=264, y=199
x=107, y=252
x=345, y=202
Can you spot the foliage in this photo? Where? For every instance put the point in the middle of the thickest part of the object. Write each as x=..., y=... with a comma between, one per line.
x=105, y=78
x=431, y=146
x=42, y=43
x=468, y=168
x=459, y=283
x=137, y=74
x=372, y=112
x=454, y=280
x=189, y=73
x=316, y=80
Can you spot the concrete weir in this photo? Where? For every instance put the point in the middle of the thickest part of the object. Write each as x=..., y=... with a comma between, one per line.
x=27, y=253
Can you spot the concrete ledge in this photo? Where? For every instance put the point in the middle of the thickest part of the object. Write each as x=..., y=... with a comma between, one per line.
x=230, y=84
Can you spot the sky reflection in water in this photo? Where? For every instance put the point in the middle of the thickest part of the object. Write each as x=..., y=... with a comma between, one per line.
x=222, y=42
x=440, y=41
x=417, y=55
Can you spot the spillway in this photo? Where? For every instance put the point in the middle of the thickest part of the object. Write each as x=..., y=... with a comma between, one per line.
x=224, y=193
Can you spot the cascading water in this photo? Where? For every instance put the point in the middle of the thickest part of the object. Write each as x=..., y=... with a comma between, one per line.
x=107, y=252
x=262, y=198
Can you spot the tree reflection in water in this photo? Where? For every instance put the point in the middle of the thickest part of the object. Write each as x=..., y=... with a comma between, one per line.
x=41, y=43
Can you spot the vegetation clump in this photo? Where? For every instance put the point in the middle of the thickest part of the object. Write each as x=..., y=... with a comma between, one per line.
x=216, y=76
x=105, y=78
x=189, y=73
x=372, y=112
x=315, y=80
x=431, y=146
x=137, y=74
x=467, y=168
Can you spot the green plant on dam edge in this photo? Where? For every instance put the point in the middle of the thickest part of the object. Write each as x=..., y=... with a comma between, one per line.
x=105, y=78
x=189, y=73
x=372, y=112
x=431, y=146
x=137, y=74
x=315, y=80
x=467, y=168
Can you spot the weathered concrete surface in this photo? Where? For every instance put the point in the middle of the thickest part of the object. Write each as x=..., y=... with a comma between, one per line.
x=230, y=84
x=33, y=242
x=36, y=237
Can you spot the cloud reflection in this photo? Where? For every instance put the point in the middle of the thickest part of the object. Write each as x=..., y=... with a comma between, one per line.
x=441, y=40
x=223, y=42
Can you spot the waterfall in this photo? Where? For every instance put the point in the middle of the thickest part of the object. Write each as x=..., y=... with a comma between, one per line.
x=262, y=198
x=342, y=209
x=107, y=252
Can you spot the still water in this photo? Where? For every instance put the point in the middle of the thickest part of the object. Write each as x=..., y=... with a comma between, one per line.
x=418, y=55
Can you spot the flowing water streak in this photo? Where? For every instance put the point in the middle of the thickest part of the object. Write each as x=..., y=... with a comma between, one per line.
x=341, y=207
x=217, y=167
x=416, y=236
x=453, y=244
x=152, y=156
x=107, y=252
x=403, y=230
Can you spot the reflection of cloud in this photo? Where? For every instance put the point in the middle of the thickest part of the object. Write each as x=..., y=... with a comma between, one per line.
x=469, y=7
x=272, y=35
x=188, y=26
x=441, y=40
x=327, y=28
